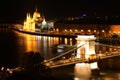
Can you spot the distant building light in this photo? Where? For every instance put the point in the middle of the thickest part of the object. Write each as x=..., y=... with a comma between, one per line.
x=84, y=15
x=2, y=68
x=94, y=30
x=76, y=30
x=65, y=30
x=76, y=17
x=57, y=29
x=103, y=31
x=70, y=30
x=82, y=30
x=89, y=30
x=85, y=36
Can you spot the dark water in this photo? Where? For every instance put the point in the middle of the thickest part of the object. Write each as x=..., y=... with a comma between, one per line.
x=8, y=49
x=14, y=45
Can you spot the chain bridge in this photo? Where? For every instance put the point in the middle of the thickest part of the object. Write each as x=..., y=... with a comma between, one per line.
x=82, y=52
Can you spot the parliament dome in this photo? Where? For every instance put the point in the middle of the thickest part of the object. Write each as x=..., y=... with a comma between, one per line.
x=36, y=14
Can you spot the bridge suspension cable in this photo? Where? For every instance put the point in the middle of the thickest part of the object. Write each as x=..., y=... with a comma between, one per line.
x=65, y=53
x=105, y=44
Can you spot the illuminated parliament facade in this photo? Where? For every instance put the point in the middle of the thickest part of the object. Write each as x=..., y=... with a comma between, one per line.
x=37, y=22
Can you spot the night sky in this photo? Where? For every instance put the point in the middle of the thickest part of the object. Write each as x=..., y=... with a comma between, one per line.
x=17, y=9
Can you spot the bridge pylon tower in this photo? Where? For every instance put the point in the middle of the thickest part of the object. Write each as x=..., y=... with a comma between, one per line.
x=88, y=49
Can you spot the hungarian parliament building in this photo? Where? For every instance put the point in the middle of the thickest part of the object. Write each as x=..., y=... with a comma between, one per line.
x=37, y=22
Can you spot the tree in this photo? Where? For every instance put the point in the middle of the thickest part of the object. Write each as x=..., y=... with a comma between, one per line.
x=31, y=59
x=33, y=69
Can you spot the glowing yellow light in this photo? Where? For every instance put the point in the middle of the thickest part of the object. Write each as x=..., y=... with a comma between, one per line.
x=94, y=65
x=29, y=25
x=109, y=31
x=65, y=30
x=30, y=44
x=115, y=28
x=70, y=30
x=82, y=30
x=76, y=30
x=82, y=68
x=56, y=40
x=88, y=43
x=2, y=68
x=89, y=30
x=57, y=29
x=86, y=37
x=103, y=31
x=94, y=30
x=66, y=41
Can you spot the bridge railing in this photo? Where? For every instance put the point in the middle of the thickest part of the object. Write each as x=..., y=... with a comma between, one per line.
x=68, y=54
x=65, y=57
x=74, y=60
x=69, y=57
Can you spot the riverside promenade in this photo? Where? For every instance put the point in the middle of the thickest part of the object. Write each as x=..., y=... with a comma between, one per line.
x=46, y=33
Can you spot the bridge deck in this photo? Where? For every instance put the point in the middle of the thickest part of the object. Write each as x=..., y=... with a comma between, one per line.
x=70, y=61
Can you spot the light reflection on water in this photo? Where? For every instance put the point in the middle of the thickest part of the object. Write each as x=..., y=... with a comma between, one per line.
x=82, y=71
x=45, y=45
x=84, y=74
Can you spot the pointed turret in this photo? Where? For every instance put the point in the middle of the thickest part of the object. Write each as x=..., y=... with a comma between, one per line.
x=35, y=9
x=44, y=22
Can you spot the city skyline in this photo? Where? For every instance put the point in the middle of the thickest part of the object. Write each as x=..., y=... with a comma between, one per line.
x=16, y=10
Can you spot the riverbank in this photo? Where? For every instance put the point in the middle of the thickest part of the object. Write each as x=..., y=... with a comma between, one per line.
x=46, y=33
x=109, y=40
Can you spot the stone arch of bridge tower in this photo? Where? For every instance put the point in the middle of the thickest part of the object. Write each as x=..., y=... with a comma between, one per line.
x=87, y=49
x=82, y=52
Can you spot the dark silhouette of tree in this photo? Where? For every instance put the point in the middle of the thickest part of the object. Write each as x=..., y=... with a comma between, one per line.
x=33, y=68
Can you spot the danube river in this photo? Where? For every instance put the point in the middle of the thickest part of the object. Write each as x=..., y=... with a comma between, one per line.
x=14, y=45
